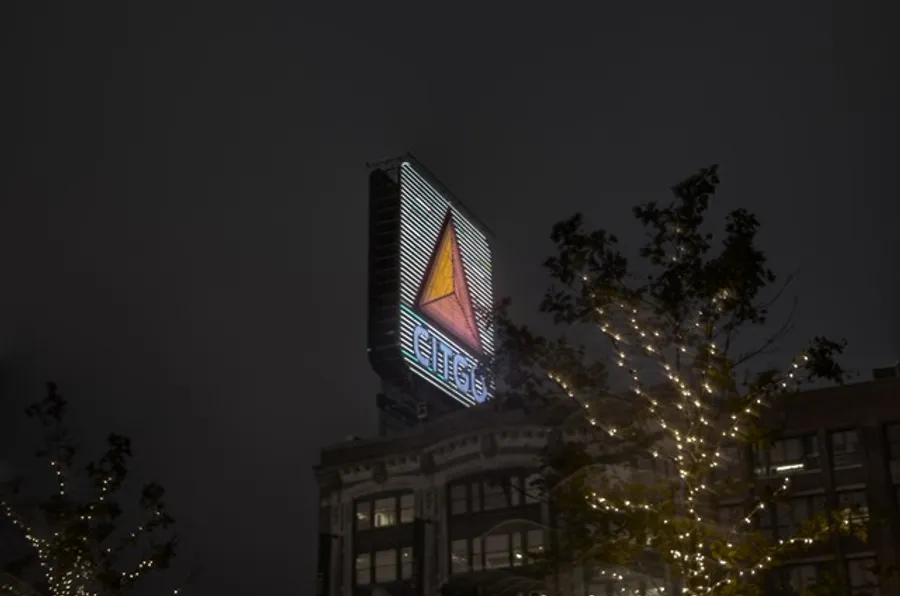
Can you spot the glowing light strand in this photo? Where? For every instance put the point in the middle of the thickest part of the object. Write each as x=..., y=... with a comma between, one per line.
x=688, y=445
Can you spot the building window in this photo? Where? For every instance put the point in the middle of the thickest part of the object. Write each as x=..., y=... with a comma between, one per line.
x=845, y=448
x=862, y=578
x=407, y=508
x=385, y=566
x=385, y=512
x=363, y=515
x=496, y=551
x=476, y=497
x=535, y=541
x=854, y=504
x=791, y=515
x=515, y=491
x=495, y=495
x=731, y=457
x=731, y=515
x=533, y=489
x=765, y=523
x=518, y=555
x=799, y=577
x=458, y=499
x=477, y=557
x=406, y=562
x=892, y=434
x=363, y=569
x=459, y=556
x=788, y=456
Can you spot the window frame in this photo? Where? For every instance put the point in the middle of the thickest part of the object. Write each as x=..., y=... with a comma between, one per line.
x=813, y=504
x=859, y=511
x=775, y=460
x=467, y=555
x=845, y=458
x=489, y=551
x=868, y=588
x=402, y=569
x=477, y=550
x=368, y=505
x=392, y=511
x=410, y=508
x=787, y=575
x=356, y=569
x=533, y=546
x=476, y=494
x=406, y=567
x=495, y=489
x=393, y=556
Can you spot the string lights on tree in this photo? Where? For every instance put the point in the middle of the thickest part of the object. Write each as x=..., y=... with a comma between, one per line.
x=79, y=546
x=692, y=397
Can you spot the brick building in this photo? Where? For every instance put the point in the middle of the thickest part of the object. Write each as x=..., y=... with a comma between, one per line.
x=841, y=447
x=445, y=491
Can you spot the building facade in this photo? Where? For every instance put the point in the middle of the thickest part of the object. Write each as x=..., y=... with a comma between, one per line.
x=454, y=491
x=841, y=448
x=448, y=503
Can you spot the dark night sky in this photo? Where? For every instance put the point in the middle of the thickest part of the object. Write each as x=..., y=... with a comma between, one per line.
x=183, y=223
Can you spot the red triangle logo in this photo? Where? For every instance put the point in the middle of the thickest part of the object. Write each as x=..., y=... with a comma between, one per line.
x=444, y=295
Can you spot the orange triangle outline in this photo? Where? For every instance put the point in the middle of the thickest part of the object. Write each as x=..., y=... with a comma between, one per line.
x=457, y=300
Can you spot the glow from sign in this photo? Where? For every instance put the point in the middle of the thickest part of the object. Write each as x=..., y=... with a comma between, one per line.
x=445, y=291
x=444, y=296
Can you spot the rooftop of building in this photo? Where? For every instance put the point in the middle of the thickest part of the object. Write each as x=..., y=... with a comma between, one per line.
x=489, y=415
x=855, y=404
x=851, y=405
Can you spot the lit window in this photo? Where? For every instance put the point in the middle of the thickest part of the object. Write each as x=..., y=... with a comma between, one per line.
x=458, y=499
x=845, y=448
x=363, y=569
x=494, y=495
x=459, y=556
x=407, y=508
x=518, y=555
x=363, y=515
x=385, y=512
x=496, y=551
x=535, y=541
x=788, y=456
x=385, y=566
x=477, y=556
x=863, y=581
x=406, y=562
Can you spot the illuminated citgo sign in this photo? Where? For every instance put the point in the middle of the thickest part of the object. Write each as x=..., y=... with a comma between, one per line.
x=442, y=326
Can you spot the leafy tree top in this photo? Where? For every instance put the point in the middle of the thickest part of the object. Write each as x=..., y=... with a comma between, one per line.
x=80, y=535
x=672, y=323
